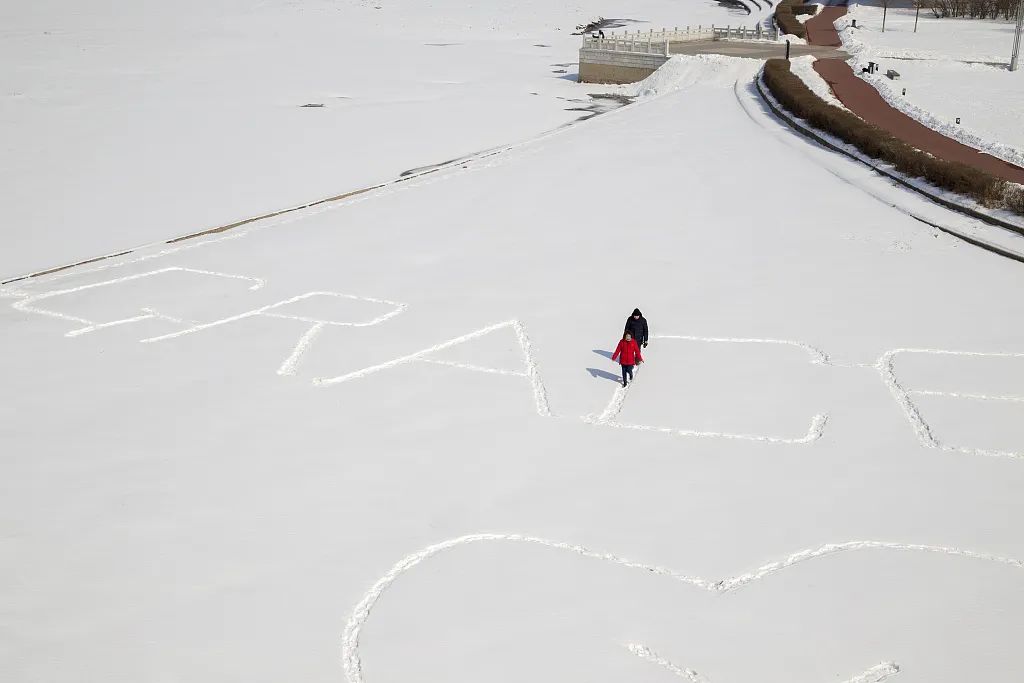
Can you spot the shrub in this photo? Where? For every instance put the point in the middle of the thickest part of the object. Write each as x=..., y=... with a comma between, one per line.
x=786, y=21
x=793, y=94
x=799, y=10
x=1013, y=197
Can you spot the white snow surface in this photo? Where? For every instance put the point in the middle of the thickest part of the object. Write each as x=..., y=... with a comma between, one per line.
x=684, y=71
x=950, y=69
x=380, y=439
x=803, y=18
x=125, y=122
x=803, y=67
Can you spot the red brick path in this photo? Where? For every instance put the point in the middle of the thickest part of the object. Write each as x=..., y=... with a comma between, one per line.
x=863, y=99
x=821, y=29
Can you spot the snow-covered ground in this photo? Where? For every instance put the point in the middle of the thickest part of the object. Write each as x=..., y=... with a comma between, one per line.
x=126, y=122
x=381, y=440
x=950, y=68
x=803, y=67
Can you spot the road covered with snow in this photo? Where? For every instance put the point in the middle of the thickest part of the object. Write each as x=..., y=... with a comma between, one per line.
x=381, y=439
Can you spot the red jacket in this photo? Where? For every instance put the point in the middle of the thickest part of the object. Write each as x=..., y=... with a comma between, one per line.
x=628, y=352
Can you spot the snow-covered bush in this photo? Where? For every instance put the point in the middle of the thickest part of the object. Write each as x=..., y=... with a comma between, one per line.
x=795, y=96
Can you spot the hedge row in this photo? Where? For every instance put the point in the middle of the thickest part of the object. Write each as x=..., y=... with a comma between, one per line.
x=787, y=21
x=795, y=96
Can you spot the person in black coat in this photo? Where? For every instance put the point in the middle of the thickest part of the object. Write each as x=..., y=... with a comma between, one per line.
x=636, y=325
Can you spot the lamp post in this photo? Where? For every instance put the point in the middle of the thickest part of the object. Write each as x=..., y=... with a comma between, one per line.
x=917, y=13
x=1015, y=59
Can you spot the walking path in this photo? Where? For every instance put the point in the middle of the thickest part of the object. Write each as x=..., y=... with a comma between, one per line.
x=821, y=29
x=864, y=100
x=750, y=49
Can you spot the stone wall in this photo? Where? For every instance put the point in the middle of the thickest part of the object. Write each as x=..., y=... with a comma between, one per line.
x=604, y=66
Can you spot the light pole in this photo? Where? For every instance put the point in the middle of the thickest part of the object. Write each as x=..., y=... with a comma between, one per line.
x=1016, y=37
x=917, y=13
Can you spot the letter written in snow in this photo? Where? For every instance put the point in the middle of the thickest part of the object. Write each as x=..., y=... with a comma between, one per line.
x=295, y=308
x=530, y=371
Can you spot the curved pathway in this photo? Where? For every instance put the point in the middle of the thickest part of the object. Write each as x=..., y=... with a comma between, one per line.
x=821, y=29
x=864, y=100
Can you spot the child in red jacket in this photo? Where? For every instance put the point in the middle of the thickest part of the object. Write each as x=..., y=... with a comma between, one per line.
x=628, y=353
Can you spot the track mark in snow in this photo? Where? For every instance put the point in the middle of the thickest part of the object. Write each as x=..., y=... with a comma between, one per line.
x=607, y=418
x=539, y=392
x=875, y=674
x=266, y=311
x=814, y=432
x=291, y=362
x=644, y=652
x=27, y=305
x=886, y=368
x=350, y=637
x=977, y=397
x=474, y=368
x=305, y=341
x=147, y=314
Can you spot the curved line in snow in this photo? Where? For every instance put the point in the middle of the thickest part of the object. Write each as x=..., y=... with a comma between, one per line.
x=361, y=612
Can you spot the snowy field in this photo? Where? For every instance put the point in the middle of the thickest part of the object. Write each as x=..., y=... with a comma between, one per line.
x=950, y=68
x=126, y=122
x=381, y=440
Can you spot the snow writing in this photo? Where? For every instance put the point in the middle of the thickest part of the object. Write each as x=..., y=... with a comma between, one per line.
x=362, y=611
x=299, y=307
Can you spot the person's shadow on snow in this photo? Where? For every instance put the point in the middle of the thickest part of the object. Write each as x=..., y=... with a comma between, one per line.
x=597, y=373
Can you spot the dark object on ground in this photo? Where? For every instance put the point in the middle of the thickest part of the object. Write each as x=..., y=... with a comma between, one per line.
x=892, y=74
x=312, y=105
x=636, y=326
x=795, y=96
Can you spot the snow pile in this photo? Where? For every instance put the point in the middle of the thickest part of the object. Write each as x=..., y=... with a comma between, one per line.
x=804, y=18
x=803, y=67
x=794, y=40
x=685, y=71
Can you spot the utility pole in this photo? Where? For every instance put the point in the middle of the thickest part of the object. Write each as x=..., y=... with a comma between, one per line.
x=1015, y=59
x=885, y=10
x=917, y=13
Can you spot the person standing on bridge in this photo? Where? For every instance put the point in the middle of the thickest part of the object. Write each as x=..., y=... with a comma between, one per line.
x=628, y=355
x=636, y=325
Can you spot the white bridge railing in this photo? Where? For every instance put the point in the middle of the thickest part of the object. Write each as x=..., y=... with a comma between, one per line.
x=659, y=42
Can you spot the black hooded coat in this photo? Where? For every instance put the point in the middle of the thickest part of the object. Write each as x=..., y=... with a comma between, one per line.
x=637, y=327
